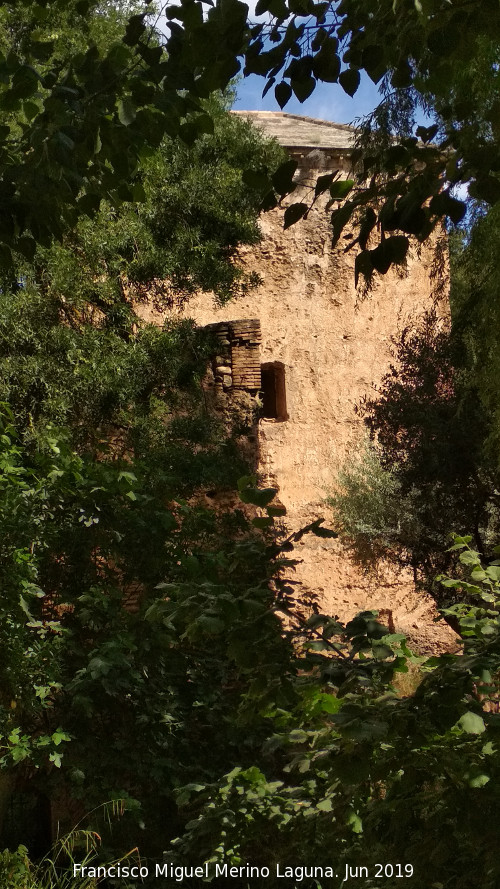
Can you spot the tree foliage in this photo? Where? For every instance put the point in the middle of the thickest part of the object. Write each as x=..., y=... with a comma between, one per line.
x=135, y=628
x=420, y=56
x=319, y=753
x=107, y=449
x=372, y=514
x=342, y=766
x=145, y=653
x=88, y=113
x=430, y=469
x=434, y=423
x=87, y=92
x=189, y=210
x=474, y=304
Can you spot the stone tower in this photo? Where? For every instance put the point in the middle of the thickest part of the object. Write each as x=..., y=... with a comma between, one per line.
x=322, y=348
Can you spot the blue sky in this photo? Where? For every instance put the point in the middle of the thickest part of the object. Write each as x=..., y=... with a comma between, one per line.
x=327, y=102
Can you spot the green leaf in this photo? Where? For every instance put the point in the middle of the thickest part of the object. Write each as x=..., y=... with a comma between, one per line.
x=25, y=82
x=372, y=60
x=89, y=204
x=319, y=38
x=135, y=29
x=128, y=476
x=293, y=213
x=59, y=736
x=277, y=8
x=329, y=703
x=402, y=75
x=127, y=111
x=212, y=625
x=485, y=188
x=303, y=87
x=24, y=606
x=270, y=83
x=445, y=205
x=31, y=109
x=269, y=201
x=478, y=575
x=283, y=93
x=298, y=736
x=299, y=7
x=443, y=41
x=324, y=805
x=470, y=557
x=41, y=50
x=493, y=573
x=246, y=481
x=476, y=777
x=326, y=65
x=317, y=620
x=202, y=123
x=282, y=179
x=323, y=183
x=355, y=822
x=426, y=134
x=40, y=13
x=472, y=723
x=381, y=651
x=349, y=80
x=340, y=189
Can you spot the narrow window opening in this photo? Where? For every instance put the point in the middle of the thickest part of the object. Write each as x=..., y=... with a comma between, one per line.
x=273, y=391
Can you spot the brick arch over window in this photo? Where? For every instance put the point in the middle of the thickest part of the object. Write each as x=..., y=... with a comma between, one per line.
x=273, y=388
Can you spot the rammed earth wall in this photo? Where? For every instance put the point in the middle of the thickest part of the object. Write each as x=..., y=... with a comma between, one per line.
x=333, y=348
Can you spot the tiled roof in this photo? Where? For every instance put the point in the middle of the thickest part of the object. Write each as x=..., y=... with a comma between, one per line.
x=295, y=131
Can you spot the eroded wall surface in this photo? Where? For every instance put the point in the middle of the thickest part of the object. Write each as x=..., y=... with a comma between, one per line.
x=335, y=347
